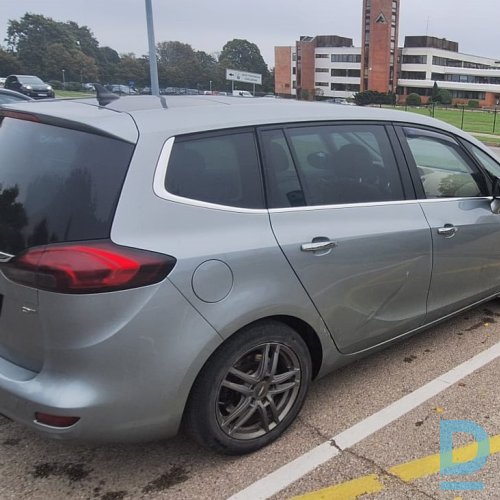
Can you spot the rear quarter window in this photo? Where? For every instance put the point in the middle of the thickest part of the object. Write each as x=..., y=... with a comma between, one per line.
x=218, y=169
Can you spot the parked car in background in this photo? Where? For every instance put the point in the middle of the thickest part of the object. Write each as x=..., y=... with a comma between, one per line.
x=88, y=86
x=7, y=96
x=29, y=85
x=340, y=100
x=121, y=89
x=2, y=82
x=242, y=93
x=199, y=260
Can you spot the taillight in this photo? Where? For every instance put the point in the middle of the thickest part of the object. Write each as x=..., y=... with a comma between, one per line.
x=88, y=267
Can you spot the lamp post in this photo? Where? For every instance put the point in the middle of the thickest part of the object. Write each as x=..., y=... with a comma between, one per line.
x=64, y=78
x=153, y=64
x=210, y=86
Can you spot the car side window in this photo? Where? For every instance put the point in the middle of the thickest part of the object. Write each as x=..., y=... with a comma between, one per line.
x=220, y=169
x=343, y=164
x=486, y=161
x=444, y=170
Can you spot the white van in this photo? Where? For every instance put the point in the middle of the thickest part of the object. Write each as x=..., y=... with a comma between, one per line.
x=242, y=93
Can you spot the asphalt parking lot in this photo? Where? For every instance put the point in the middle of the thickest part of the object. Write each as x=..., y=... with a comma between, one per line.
x=396, y=460
x=36, y=468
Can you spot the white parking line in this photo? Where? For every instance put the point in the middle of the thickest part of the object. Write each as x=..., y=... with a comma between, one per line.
x=292, y=471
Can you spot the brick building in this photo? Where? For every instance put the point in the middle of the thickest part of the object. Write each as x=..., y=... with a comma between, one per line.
x=329, y=66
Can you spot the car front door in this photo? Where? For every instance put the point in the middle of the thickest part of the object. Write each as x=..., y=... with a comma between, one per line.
x=454, y=196
x=338, y=211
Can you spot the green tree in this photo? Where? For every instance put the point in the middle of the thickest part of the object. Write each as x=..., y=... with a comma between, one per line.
x=445, y=97
x=373, y=97
x=436, y=94
x=77, y=66
x=178, y=65
x=244, y=56
x=9, y=63
x=209, y=71
x=413, y=100
x=45, y=47
x=84, y=39
x=107, y=62
x=133, y=69
x=30, y=37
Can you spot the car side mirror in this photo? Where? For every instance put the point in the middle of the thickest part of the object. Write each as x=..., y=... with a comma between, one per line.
x=495, y=192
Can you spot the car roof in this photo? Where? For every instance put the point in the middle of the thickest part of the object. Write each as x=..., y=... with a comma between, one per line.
x=21, y=76
x=13, y=93
x=175, y=115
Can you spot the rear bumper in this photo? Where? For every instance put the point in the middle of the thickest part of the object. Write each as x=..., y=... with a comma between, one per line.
x=129, y=386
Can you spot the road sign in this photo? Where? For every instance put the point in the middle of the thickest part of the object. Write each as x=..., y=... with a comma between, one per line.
x=243, y=76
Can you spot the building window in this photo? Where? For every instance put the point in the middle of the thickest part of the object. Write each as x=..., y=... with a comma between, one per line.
x=321, y=56
x=339, y=73
x=321, y=84
x=464, y=94
x=443, y=61
x=413, y=75
x=338, y=86
x=346, y=58
x=321, y=70
x=409, y=59
x=476, y=65
x=341, y=87
x=353, y=73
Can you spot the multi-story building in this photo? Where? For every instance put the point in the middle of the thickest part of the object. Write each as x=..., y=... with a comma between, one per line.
x=324, y=66
x=330, y=66
x=425, y=60
x=318, y=66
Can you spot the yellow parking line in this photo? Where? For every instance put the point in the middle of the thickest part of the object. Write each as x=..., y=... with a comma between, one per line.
x=430, y=465
x=349, y=490
x=408, y=472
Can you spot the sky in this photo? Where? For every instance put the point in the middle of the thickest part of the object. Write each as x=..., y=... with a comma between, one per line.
x=208, y=24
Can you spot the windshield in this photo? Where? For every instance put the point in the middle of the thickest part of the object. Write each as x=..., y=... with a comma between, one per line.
x=30, y=80
x=57, y=185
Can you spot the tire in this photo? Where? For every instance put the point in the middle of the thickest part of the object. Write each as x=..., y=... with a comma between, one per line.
x=250, y=390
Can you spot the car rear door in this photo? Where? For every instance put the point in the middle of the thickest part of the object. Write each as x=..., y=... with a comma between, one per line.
x=339, y=213
x=454, y=196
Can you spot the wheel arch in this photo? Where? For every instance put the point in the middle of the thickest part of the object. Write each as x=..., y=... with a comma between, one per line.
x=309, y=336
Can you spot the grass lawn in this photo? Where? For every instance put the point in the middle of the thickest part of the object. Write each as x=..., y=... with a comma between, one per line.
x=491, y=141
x=68, y=94
x=473, y=121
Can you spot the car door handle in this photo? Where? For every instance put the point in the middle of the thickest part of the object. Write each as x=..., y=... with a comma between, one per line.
x=448, y=230
x=317, y=246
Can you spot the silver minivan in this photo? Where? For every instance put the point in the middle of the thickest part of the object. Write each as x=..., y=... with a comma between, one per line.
x=199, y=260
